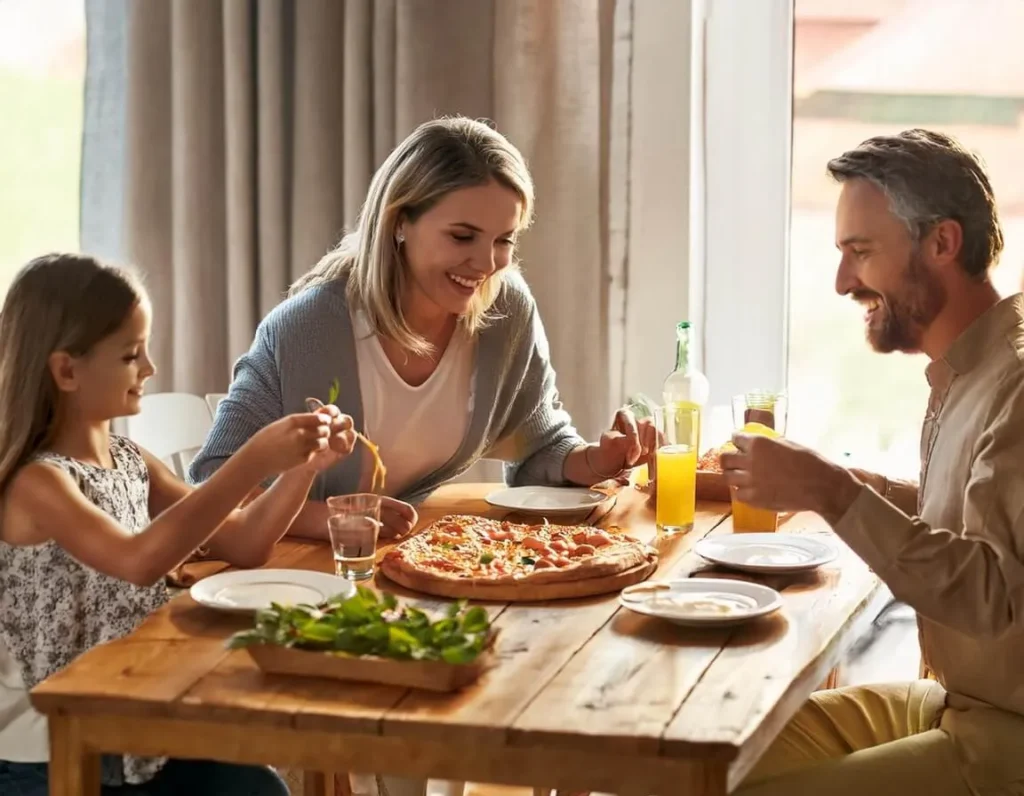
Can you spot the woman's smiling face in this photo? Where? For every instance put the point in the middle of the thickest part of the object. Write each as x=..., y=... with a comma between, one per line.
x=455, y=246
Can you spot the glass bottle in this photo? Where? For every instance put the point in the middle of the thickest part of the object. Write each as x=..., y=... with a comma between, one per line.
x=686, y=389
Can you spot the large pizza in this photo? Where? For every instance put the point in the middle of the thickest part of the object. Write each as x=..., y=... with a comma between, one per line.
x=475, y=557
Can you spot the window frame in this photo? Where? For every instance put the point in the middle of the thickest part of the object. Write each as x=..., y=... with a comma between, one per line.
x=741, y=243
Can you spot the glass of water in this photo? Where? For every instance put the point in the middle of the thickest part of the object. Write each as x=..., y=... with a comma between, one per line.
x=353, y=524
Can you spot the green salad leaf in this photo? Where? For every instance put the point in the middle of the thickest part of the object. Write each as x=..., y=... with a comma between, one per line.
x=365, y=624
x=334, y=392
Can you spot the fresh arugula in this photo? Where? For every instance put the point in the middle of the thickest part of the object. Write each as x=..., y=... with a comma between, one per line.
x=334, y=392
x=367, y=625
x=528, y=561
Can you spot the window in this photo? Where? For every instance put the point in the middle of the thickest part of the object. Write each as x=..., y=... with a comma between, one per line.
x=42, y=73
x=864, y=68
x=788, y=84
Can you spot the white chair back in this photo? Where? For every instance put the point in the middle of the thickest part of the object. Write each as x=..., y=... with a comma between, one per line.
x=213, y=400
x=172, y=426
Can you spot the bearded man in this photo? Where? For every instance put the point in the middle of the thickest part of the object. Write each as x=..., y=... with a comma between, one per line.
x=918, y=233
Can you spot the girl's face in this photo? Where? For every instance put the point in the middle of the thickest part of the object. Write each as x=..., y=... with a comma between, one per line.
x=454, y=247
x=109, y=380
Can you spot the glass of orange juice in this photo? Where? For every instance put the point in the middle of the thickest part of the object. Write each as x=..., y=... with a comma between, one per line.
x=676, y=503
x=747, y=518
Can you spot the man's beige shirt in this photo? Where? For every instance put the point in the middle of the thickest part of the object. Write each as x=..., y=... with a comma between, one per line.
x=960, y=563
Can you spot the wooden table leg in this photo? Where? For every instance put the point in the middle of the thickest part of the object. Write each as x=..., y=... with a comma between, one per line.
x=342, y=785
x=319, y=783
x=314, y=783
x=74, y=770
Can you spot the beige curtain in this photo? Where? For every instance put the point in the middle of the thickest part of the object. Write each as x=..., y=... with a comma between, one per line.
x=251, y=130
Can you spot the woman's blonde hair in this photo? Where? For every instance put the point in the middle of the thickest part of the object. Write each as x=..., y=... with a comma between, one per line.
x=58, y=302
x=439, y=157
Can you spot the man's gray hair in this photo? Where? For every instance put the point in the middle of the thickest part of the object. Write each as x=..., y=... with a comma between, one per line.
x=929, y=177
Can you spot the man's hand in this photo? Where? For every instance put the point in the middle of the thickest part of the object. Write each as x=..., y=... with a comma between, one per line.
x=780, y=475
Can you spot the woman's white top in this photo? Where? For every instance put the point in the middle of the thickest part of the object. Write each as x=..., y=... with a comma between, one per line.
x=417, y=429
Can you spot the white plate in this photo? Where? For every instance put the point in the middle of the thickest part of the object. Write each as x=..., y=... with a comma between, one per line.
x=701, y=601
x=546, y=499
x=246, y=591
x=766, y=552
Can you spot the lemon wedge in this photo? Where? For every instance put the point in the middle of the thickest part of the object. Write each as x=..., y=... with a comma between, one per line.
x=760, y=429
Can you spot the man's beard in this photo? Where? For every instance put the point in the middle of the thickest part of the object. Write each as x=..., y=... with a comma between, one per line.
x=905, y=314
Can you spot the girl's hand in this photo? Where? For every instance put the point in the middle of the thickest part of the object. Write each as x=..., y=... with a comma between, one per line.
x=339, y=444
x=292, y=441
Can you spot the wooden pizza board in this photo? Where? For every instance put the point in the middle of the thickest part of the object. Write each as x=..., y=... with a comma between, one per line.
x=524, y=592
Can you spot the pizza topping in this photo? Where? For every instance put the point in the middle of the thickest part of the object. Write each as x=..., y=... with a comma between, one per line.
x=597, y=539
x=544, y=563
x=441, y=563
x=533, y=543
x=526, y=561
x=583, y=550
x=486, y=558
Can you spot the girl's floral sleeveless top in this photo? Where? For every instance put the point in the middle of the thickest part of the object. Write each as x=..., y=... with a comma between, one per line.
x=52, y=608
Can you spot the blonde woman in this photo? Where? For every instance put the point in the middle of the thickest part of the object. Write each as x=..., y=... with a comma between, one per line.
x=432, y=334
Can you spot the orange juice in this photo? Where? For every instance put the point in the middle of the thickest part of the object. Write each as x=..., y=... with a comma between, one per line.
x=677, y=488
x=746, y=518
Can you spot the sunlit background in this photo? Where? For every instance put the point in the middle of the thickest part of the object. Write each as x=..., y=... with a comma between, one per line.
x=863, y=68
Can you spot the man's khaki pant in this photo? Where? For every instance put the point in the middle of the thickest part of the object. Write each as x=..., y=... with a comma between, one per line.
x=879, y=740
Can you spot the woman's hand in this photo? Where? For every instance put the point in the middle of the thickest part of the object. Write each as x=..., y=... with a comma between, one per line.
x=396, y=517
x=628, y=443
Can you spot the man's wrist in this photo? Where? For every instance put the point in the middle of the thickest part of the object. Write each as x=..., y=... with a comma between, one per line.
x=838, y=492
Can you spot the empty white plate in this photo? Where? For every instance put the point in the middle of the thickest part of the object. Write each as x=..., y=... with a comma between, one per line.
x=766, y=552
x=250, y=590
x=546, y=499
x=701, y=601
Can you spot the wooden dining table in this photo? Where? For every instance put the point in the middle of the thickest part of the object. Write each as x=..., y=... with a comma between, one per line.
x=585, y=695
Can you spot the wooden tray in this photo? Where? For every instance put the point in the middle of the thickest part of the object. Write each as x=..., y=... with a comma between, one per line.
x=427, y=675
x=712, y=486
x=526, y=592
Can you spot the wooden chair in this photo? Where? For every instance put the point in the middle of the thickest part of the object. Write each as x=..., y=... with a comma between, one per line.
x=172, y=426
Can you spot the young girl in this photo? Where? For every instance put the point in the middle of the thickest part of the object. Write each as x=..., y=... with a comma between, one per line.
x=81, y=560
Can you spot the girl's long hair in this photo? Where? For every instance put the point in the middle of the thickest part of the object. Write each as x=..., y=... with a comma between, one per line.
x=58, y=302
x=439, y=157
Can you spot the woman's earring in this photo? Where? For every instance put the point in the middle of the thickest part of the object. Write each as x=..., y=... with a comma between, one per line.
x=400, y=238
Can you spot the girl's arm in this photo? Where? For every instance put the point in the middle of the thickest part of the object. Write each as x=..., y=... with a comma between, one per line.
x=248, y=535
x=49, y=500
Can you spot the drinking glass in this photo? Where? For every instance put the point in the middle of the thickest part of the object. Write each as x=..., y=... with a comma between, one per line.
x=761, y=406
x=757, y=412
x=353, y=525
x=676, y=501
